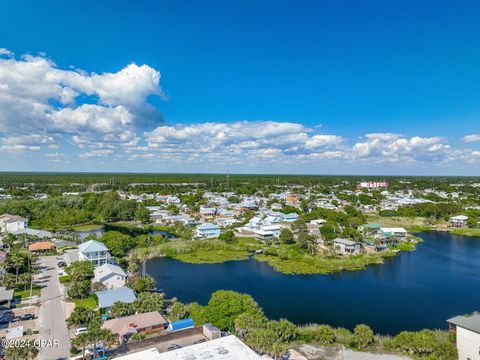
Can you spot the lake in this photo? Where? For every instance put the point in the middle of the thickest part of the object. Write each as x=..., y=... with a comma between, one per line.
x=415, y=290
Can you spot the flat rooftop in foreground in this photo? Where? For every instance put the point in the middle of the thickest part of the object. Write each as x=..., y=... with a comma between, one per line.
x=224, y=348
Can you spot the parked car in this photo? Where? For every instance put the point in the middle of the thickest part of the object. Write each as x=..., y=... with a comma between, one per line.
x=5, y=320
x=173, y=347
x=80, y=330
x=199, y=341
x=7, y=313
x=27, y=317
x=61, y=264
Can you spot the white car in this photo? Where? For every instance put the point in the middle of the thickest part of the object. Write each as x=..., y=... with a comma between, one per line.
x=80, y=331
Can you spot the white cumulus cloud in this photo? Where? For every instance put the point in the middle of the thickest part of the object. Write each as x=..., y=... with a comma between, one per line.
x=471, y=138
x=37, y=97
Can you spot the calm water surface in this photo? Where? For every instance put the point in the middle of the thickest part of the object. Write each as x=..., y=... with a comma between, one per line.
x=414, y=290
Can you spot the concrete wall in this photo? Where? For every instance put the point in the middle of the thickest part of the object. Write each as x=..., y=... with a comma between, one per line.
x=468, y=344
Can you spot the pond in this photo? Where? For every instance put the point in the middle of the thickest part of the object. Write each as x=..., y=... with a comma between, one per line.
x=415, y=290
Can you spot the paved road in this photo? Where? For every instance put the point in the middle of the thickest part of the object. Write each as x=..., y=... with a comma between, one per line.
x=51, y=314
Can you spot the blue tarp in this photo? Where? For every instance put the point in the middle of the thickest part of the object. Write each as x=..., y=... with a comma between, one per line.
x=182, y=324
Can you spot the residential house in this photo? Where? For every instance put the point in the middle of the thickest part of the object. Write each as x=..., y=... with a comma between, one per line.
x=6, y=295
x=107, y=298
x=207, y=211
x=467, y=335
x=111, y=276
x=459, y=221
x=41, y=246
x=267, y=232
x=291, y=217
x=34, y=233
x=255, y=223
x=346, y=247
x=145, y=323
x=392, y=235
x=207, y=230
x=10, y=223
x=94, y=251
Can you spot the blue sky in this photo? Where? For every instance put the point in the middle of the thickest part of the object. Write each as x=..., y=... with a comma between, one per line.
x=248, y=86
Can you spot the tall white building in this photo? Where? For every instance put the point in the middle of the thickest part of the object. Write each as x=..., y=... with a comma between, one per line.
x=93, y=251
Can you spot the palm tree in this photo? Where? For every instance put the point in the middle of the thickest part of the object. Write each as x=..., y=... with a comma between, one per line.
x=107, y=337
x=15, y=260
x=82, y=341
x=21, y=353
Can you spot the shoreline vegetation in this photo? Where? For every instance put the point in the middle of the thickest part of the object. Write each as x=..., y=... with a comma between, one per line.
x=283, y=258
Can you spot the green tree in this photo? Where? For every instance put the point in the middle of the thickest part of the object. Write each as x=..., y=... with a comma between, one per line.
x=15, y=260
x=198, y=313
x=228, y=237
x=79, y=290
x=324, y=334
x=81, y=316
x=286, y=236
x=118, y=243
x=21, y=352
x=147, y=302
x=248, y=321
x=142, y=284
x=284, y=330
x=224, y=307
x=82, y=341
x=177, y=312
x=363, y=336
x=79, y=270
x=142, y=214
x=120, y=309
x=265, y=341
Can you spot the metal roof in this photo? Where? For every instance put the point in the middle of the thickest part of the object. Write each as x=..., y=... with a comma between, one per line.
x=92, y=246
x=104, y=271
x=471, y=323
x=108, y=297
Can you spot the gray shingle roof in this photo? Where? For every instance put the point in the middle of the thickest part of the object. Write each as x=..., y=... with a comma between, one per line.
x=471, y=323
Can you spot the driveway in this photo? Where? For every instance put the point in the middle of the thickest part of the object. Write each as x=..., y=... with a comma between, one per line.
x=53, y=329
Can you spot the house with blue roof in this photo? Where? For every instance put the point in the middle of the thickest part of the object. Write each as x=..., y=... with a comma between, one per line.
x=95, y=252
x=207, y=230
x=107, y=298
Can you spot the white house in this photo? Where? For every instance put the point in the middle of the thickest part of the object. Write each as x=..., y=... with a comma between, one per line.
x=467, y=331
x=10, y=223
x=459, y=221
x=346, y=247
x=207, y=230
x=112, y=276
x=207, y=211
x=93, y=251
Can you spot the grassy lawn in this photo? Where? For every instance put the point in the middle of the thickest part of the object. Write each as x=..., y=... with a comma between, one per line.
x=308, y=264
x=212, y=256
x=25, y=294
x=415, y=224
x=64, y=279
x=89, y=302
x=87, y=227
x=466, y=232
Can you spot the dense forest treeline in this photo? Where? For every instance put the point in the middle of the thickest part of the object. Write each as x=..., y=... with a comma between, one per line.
x=64, y=211
x=52, y=183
